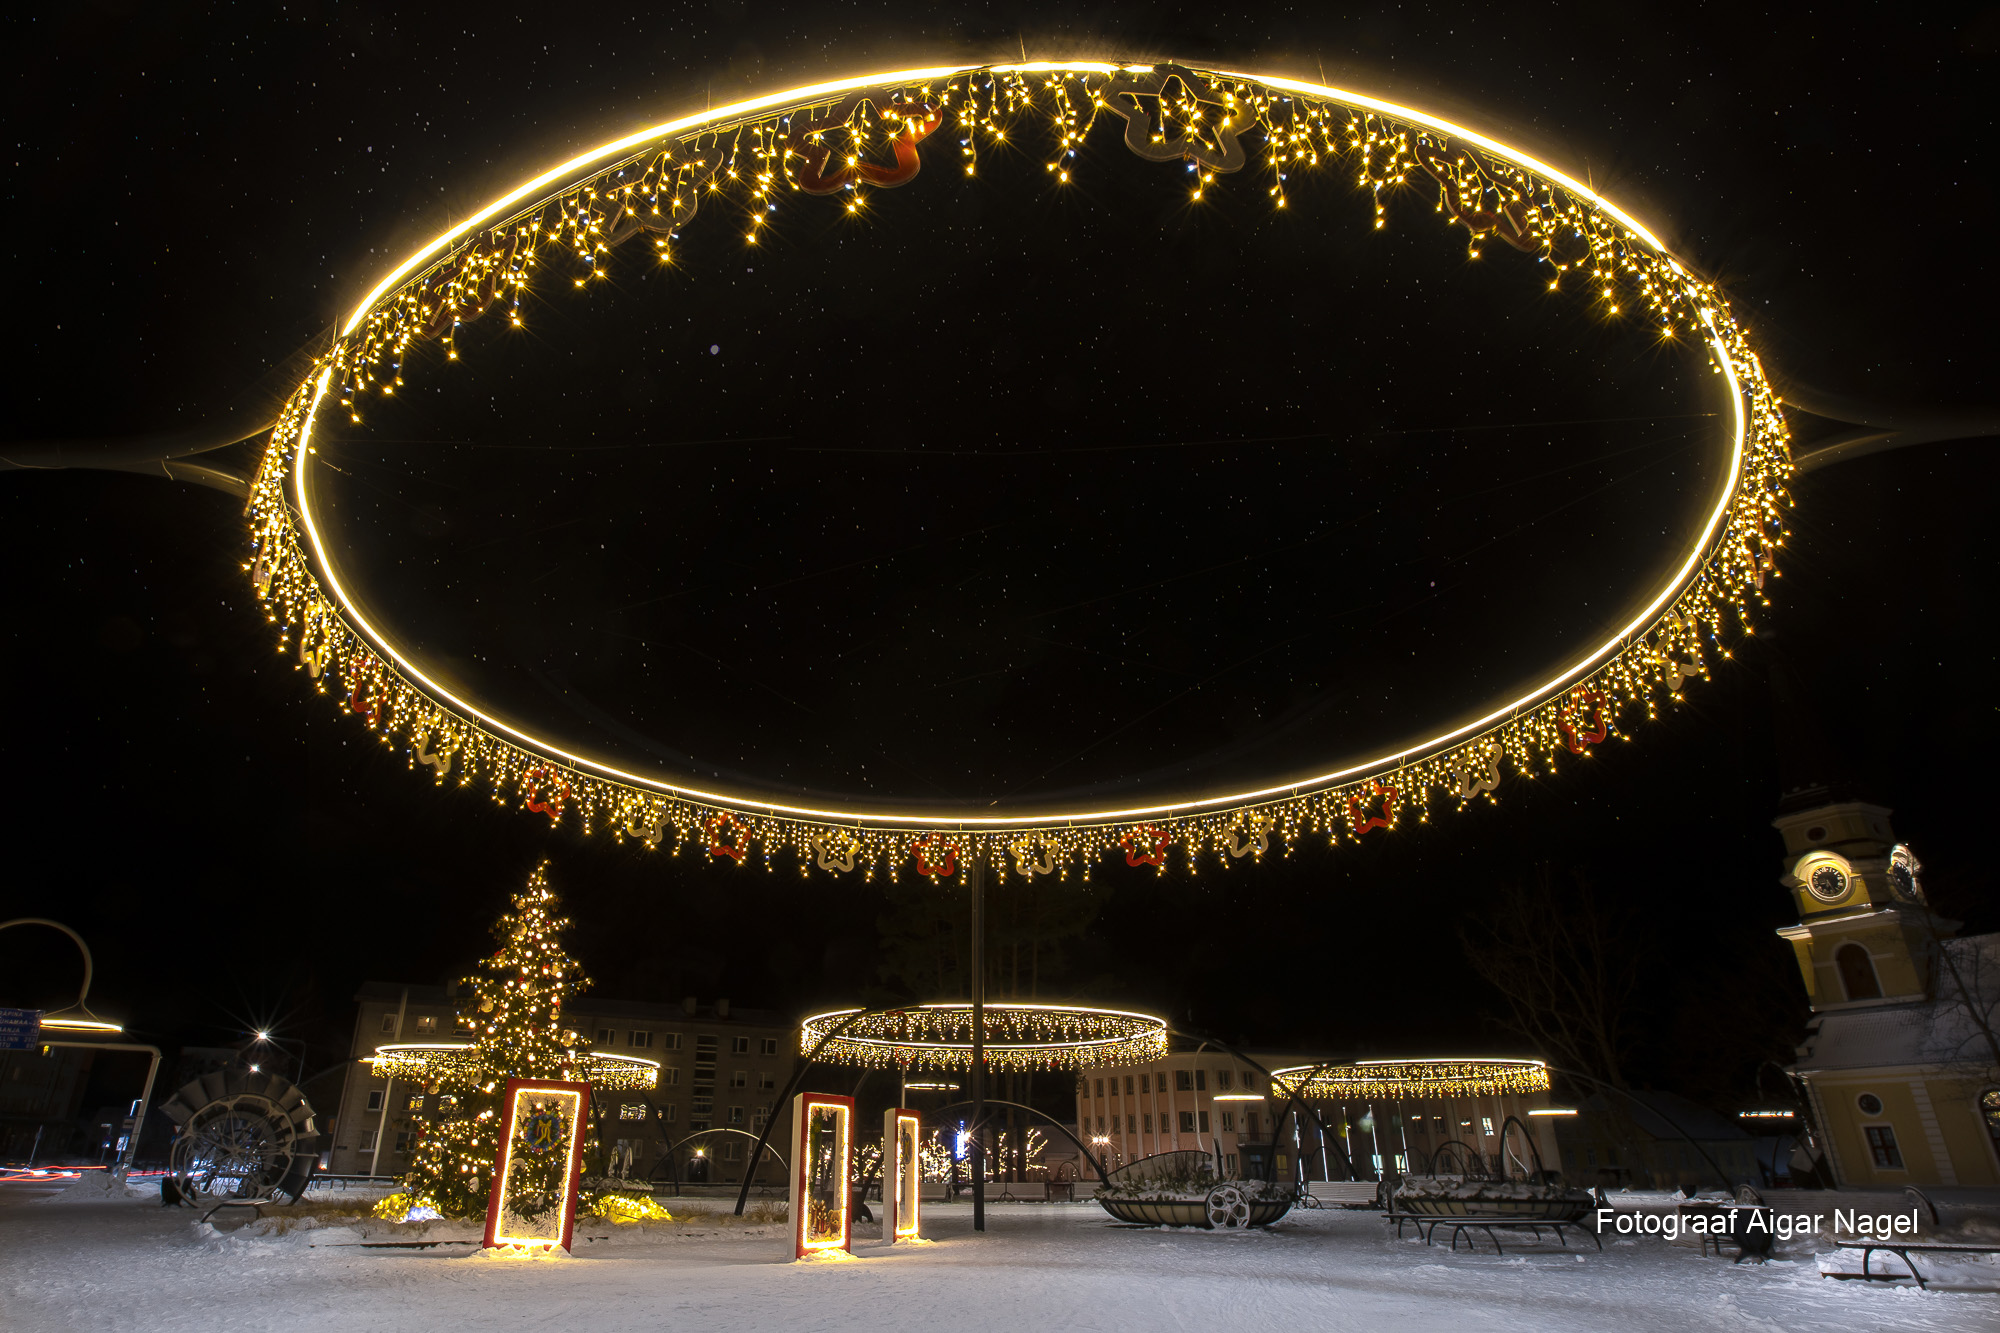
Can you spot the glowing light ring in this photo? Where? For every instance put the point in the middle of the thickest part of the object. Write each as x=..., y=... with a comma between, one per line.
x=1413, y=1080
x=1019, y=1037
x=428, y=1063
x=736, y=155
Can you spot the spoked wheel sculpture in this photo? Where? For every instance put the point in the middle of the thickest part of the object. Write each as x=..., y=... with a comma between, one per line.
x=243, y=1135
x=1227, y=1207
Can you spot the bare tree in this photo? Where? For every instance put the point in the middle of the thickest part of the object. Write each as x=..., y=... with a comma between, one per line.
x=1563, y=961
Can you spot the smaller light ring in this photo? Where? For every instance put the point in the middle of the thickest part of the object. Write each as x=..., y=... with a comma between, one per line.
x=429, y=1063
x=1019, y=1037
x=1412, y=1080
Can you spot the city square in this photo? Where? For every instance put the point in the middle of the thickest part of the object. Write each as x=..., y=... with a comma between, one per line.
x=1009, y=670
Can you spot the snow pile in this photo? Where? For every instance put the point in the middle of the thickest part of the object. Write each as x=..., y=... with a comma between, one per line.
x=100, y=1187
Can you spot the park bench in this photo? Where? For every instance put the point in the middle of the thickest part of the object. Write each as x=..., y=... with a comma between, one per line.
x=1902, y=1250
x=1344, y=1193
x=1427, y=1225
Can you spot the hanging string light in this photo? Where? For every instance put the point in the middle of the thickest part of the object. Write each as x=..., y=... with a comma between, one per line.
x=636, y=196
x=1019, y=1037
x=1411, y=1080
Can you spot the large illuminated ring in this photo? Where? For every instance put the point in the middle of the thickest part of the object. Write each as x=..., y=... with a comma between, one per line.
x=754, y=156
x=431, y=1063
x=1411, y=1080
x=1019, y=1037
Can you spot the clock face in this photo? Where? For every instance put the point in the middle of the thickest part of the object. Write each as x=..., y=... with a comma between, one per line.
x=1904, y=869
x=1828, y=883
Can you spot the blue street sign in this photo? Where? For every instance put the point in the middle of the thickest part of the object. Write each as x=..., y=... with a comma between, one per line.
x=19, y=1028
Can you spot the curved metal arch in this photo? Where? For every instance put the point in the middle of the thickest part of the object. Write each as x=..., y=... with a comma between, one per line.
x=1068, y=1133
x=674, y=1147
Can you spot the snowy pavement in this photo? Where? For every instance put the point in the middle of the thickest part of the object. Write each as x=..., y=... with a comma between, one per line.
x=132, y=1265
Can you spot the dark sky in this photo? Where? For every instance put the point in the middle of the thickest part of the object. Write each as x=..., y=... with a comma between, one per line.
x=1018, y=493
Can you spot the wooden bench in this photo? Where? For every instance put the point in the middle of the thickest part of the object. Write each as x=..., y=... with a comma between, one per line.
x=1344, y=1193
x=1901, y=1249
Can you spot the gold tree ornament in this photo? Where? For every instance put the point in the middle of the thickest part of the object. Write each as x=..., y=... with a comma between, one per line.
x=635, y=196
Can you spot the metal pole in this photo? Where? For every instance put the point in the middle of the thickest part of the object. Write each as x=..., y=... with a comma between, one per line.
x=976, y=871
x=130, y=1158
x=388, y=1090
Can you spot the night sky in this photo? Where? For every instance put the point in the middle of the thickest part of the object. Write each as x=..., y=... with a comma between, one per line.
x=1004, y=492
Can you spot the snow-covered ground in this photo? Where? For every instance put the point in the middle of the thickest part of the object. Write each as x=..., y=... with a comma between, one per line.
x=129, y=1264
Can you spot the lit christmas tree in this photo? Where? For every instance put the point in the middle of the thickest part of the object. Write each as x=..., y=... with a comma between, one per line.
x=514, y=1017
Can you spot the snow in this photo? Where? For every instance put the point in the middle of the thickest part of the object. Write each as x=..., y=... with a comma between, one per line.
x=133, y=1265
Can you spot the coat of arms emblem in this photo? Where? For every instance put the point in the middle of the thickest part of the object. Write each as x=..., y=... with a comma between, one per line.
x=542, y=1130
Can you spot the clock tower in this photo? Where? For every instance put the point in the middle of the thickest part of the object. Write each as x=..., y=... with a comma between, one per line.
x=1865, y=933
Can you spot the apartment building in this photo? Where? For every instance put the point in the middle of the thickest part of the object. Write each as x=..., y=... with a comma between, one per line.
x=721, y=1069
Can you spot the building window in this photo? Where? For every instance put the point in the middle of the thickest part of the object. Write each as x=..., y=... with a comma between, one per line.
x=606, y=1037
x=702, y=1107
x=640, y=1040
x=368, y=1140
x=1882, y=1147
x=739, y=1046
x=427, y=1024
x=766, y=1081
x=1187, y=1122
x=389, y=1023
x=1100, y=1087
x=1201, y=1080
x=1869, y=1103
x=735, y=1115
x=670, y=1113
x=761, y=1119
x=732, y=1150
x=1149, y=1129
x=670, y=1041
x=1183, y=1081
x=1145, y=1082
x=670, y=1076
x=447, y=1104
x=770, y=1046
x=1857, y=973
x=416, y=1102
x=1204, y=1122
x=632, y=1111
x=1223, y=1078
x=1128, y=1085
x=375, y=1099
x=402, y=1141
x=1590, y=1156
x=1486, y=1125
x=1250, y=1121
x=1229, y=1122
x=1231, y=1163
x=739, y=1078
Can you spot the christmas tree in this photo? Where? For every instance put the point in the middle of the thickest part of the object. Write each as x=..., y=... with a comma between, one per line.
x=514, y=1017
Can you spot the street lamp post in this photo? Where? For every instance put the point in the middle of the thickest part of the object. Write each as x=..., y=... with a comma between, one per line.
x=78, y=1018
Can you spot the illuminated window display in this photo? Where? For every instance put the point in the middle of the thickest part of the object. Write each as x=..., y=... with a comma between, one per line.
x=902, y=1174
x=541, y=1155
x=822, y=1167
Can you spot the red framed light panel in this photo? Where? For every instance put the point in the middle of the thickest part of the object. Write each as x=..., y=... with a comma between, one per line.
x=902, y=1174
x=523, y=1102
x=822, y=1172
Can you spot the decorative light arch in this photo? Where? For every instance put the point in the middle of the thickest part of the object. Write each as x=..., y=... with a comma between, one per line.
x=1412, y=1080
x=1019, y=1037
x=752, y=156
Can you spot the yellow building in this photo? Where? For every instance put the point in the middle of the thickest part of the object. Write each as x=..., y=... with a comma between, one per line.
x=1900, y=1064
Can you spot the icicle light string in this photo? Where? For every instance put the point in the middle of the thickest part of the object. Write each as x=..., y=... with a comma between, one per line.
x=1019, y=1037
x=629, y=202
